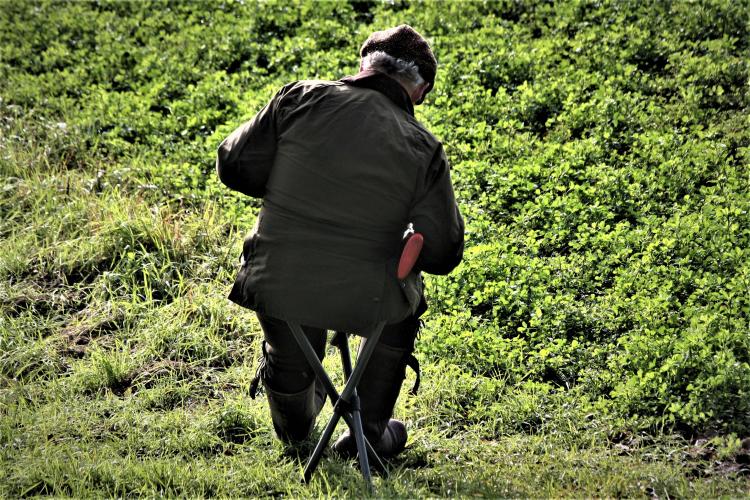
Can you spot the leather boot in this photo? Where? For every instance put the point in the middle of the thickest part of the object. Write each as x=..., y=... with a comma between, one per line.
x=293, y=415
x=391, y=442
x=378, y=391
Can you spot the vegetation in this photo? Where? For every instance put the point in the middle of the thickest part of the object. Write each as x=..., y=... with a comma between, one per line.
x=593, y=343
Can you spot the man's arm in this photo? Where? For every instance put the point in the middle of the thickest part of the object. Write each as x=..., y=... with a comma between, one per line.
x=245, y=158
x=436, y=216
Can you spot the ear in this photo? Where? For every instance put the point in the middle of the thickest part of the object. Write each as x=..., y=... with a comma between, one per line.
x=418, y=93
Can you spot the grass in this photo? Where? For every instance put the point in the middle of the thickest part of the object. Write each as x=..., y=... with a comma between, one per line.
x=124, y=370
x=180, y=436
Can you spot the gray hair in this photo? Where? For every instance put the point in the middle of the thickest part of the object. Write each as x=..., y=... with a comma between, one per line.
x=405, y=71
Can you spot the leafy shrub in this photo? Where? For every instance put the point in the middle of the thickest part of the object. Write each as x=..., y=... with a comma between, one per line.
x=600, y=156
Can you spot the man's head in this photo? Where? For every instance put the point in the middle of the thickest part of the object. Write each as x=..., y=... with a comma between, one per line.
x=403, y=54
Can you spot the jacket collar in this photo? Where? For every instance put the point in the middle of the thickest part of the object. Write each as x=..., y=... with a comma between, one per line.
x=384, y=84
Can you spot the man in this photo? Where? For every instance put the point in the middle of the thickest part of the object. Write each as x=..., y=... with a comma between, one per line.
x=343, y=167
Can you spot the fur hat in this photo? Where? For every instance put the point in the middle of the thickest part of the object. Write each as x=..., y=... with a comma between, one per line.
x=403, y=42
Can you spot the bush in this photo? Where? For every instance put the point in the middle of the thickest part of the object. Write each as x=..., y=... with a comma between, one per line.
x=599, y=152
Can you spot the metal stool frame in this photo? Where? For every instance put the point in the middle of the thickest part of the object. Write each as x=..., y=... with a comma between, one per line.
x=346, y=404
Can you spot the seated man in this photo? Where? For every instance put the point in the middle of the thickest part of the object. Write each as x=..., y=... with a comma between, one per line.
x=343, y=167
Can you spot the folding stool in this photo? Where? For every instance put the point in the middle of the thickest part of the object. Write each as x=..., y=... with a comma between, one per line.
x=346, y=404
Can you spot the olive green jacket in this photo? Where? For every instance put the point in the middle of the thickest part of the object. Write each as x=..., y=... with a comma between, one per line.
x=342, y=167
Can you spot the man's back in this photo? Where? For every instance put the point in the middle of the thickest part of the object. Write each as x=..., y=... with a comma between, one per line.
x=351, y=166
x=350, y=158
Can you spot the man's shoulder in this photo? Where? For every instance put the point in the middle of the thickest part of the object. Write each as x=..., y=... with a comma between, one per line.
x=425, y=131
x=318, y=83
x=421, y=133
x=304, y=86
x=301, y=91
x=295, y=93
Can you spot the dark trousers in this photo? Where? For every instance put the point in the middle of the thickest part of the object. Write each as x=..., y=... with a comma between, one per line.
x=286, y=369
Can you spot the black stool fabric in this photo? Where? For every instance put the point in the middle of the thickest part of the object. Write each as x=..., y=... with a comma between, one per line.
x=286, y=369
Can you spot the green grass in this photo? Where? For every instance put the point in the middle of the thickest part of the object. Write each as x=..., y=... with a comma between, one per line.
x=183, y=431
x=592, y=344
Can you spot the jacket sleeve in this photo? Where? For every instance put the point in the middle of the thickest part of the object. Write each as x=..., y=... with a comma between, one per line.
x=435, y=214
x=245, y=158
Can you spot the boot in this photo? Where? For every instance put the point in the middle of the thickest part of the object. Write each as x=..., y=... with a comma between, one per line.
x=378, y=391
x=293, y=415
x=391, y=442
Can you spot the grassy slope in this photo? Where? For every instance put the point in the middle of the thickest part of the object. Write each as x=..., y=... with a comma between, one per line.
x=125, y=371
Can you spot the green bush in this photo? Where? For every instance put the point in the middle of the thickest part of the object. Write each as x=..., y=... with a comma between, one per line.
x=600, y=154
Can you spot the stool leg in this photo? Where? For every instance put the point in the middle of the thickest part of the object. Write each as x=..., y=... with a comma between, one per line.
x=341, y=341
x=362, y=360
x=317, y=367
x=359, y=437
x=313, y=361
x=350, y=394
x=347, y=397
x=314, y=460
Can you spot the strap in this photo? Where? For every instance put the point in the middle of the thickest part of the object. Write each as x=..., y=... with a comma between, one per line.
x=413, y=363
x=255, y=382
